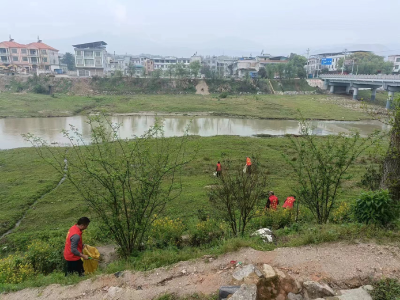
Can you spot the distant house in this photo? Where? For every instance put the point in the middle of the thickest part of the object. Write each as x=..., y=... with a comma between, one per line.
x=30, y=57
x=395, y=59
x=91, y=59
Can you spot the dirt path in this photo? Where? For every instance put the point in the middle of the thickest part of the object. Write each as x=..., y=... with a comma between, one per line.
x=342, y=265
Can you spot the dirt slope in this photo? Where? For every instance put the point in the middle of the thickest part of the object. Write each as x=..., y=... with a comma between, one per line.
x=342, y=265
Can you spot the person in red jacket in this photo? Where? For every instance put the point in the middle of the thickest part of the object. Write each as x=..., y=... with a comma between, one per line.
x=74, y=247
x=219, y=169
x=289, y=202
x=248, y=165
x=272, y=202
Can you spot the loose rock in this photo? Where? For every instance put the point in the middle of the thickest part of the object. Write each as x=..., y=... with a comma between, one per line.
x=317, y=290
x=292, y=296
x=246, y=292
x=269, y=271
x=244, y=272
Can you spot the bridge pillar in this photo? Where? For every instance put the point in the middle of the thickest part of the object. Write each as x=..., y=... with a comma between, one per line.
x=355, y=93
x=332, y=89
x=390, y=100
x=373, y=94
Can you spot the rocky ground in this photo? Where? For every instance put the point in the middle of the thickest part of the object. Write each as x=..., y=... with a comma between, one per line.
x=341, y=266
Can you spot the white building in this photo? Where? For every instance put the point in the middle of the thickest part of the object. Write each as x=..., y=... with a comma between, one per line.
x=91, y=59
x=395, y=59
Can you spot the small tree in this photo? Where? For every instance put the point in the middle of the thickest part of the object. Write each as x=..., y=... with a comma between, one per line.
x=170, y=71
x=157, y=73
x=131, y=69
x=180, y=70
x=321, y=165
x=195, y=68
x=126, y=183
x=69, y=60
x=236, y=195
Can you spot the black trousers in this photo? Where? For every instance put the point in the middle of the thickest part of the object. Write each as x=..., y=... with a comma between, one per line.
x=74, y=267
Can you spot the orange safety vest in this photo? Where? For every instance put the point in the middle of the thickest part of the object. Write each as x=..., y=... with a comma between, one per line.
x=273, y=200
x=289, y=202
x=68, y=255
x=248, y=161
x=219, y=168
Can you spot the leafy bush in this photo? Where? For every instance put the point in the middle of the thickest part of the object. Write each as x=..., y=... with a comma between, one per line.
x=371, y=179
x=45, y=257
x=15, y=269
x=166, y=231
x=275, y=219
x=206, y=231
x=39, y=89
x=342, y=214
x=386, y=289
x=376, y=208
x=223, y=95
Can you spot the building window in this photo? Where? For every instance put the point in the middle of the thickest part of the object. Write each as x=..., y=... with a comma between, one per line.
x=89, y=62
x=14, y=51
x=396, y=67
x=78, y=53
x=23, y=51
x=34, y=60
x=24, y=58
x=32, y=52
x=44, y=59
x=54, y=61
x=98, y=62
x=98, y=53
x=43, y=52
x=88, y=53
x=79, y=61
x=3, y=50
x=15, y=58
x=4, y=59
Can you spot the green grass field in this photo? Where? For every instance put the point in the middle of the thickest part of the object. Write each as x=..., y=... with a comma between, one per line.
x=258, y=106
x=24, y=177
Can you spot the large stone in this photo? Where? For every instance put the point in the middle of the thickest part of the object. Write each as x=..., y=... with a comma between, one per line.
x=355, y=294
x=315, y=290
x=246, y=292
x=269, y=272
x=266, y=234
x=244, y=272
x=292, y=296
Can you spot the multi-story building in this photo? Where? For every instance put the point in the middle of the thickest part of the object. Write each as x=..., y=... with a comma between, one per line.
x=395, y=59
x=91, y=59
x=31, y=57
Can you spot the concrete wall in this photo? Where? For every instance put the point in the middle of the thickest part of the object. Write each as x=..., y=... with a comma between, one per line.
x=316, y=83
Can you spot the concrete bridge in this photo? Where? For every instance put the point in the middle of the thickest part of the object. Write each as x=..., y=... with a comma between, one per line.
x=390, y=83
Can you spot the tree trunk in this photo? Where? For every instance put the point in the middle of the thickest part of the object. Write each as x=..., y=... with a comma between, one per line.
x=391, y=165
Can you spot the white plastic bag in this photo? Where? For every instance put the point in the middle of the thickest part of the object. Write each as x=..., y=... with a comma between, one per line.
x=215, y=173
x=245, y=169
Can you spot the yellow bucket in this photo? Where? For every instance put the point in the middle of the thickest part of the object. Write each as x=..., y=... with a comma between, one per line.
x=91, y=265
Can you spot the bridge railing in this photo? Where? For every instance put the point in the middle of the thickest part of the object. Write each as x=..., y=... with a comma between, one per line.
x=345, y=76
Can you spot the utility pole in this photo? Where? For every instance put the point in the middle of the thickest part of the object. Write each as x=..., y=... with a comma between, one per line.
x=308, y=62
x=344, y=60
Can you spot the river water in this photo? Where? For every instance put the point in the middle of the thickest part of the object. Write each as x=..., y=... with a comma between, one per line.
x=50, y=128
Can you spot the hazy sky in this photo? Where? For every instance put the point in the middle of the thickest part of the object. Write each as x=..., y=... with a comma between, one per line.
x=181, y=27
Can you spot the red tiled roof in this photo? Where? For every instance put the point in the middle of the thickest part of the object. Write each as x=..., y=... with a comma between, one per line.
x=8, y=44
x=40, y=46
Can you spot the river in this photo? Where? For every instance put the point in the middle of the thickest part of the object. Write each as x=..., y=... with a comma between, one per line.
x=50, y=128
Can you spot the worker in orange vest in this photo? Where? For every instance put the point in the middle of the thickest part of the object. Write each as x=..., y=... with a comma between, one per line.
x=219, y=169
x=248, y=165
x=74, y=247
x=289, y=202
x=272, y=202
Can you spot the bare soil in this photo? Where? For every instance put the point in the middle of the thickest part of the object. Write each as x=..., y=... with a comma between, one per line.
x=202, y=88
x=342, y=265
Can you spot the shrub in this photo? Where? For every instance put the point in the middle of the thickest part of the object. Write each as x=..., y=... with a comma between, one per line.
x=206, y=231
x=166, y=231
x=386, y=289
x=15, y=269
x=371, y=178
x=342, y=214
x=376, y=207
x=275, y=219
x=45, y=257
x=39, y=89
x=223, y=95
